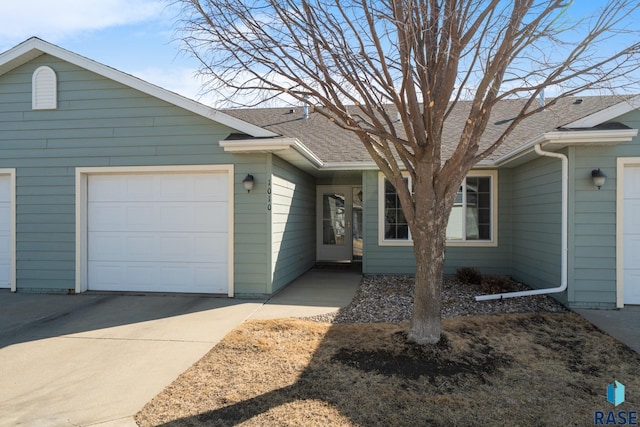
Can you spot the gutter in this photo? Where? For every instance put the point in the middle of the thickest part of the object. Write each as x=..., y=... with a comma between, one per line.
x=564, y=232
x=271, y=145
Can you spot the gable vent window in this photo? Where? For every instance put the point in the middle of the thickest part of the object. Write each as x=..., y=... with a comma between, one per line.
x=44, y=89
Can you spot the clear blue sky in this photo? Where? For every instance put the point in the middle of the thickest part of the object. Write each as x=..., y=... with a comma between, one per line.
x=134, y=36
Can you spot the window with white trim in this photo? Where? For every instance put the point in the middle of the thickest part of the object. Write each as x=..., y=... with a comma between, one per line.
x=470, y=217
x=395, y=224
x=471, y=222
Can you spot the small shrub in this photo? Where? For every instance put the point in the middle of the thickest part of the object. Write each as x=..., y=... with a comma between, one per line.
x=495, y=284
x=469, y=275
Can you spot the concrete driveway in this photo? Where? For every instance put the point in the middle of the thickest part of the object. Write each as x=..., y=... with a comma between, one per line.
x=98, y=359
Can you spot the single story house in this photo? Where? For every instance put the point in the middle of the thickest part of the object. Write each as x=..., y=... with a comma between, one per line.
x=110, y=183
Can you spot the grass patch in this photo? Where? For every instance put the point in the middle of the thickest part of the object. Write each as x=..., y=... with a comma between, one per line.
x=517, y=369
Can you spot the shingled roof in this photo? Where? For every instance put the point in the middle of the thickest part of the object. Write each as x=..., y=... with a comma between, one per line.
x=335, y=145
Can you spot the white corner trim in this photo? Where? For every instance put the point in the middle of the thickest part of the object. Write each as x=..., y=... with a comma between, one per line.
x=607, y=114
x=621, y=163
x=35, y=47
x=82, y=174
x=231, y=230
x=11, y=172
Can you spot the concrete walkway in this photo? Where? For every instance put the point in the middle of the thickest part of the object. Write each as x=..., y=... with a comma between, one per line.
x=97, y=359
x=319, y=291
x=622, y=324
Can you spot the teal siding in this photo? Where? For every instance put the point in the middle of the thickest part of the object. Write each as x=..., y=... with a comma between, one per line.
x=400, y=259
x=592, y=250
x=380, y=259
x=293, y=222
x=100, y=122
x=251, y=227
x=592, y=236
x=536, y=223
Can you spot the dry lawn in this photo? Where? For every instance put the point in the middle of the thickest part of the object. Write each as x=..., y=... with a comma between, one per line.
x=517, y=369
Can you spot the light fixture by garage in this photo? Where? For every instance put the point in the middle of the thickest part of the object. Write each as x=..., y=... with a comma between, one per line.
x=248, y=183
x=598, y=178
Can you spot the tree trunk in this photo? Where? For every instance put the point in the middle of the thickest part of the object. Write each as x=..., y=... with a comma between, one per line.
x=429, y=250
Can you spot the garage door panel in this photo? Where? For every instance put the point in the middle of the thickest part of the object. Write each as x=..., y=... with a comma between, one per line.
x=175, y=217
x=103, y=216
x=5, y=188
x=148, y=277
x=632, y=182
x=632, y=217
x=106, y=276
x=104, y=188
x=158, y=232
x=166, y=187
x=632, y=286
x=179, y=247
x=196, y=188
x=5, y=217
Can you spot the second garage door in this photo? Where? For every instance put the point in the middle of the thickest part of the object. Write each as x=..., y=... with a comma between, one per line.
x=158, y=232
x=631, y=243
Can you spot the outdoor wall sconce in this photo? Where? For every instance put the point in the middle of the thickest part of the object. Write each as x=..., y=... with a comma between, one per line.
x=598, y=178
x=248, y=183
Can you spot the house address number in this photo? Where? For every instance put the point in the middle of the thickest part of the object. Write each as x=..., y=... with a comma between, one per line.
x=269, y=195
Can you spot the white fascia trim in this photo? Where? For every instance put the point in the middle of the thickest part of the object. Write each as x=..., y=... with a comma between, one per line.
x=607, y=114
x=271, y=145
x=350, y=166
x=35, y=47
x=308, y=154
x=591, y=137
x=563, y=139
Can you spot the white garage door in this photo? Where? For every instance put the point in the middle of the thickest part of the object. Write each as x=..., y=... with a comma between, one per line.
x=631, y=247
x=5, y=231
x=161, y=232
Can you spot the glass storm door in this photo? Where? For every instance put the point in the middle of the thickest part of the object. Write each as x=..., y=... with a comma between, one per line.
x=334, y=234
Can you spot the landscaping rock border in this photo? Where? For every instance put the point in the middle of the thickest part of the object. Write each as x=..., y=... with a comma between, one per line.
x=389, y=299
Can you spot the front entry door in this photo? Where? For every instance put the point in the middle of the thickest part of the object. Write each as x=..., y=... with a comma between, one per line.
x=334, y=240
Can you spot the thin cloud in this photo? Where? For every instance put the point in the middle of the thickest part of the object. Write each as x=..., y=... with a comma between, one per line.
x=55, y=20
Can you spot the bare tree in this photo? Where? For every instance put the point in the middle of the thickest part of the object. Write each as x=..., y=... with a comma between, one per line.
x=356, y=57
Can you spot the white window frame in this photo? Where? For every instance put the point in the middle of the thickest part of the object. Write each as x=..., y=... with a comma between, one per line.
x=492, y=242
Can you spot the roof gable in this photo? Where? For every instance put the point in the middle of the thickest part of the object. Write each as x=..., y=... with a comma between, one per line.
x=34, y=47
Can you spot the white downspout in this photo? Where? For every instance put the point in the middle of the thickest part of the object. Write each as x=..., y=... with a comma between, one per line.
x=565, y=236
